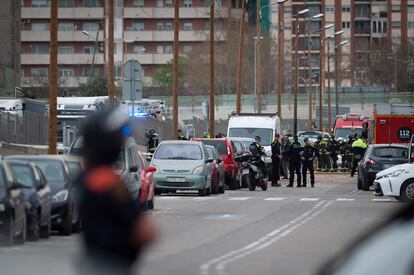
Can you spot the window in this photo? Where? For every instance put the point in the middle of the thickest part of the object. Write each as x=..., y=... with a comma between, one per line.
x=88, y=49
x=90, y=27
x=188, y=3
x=40, y=49
x=411, y=24
x=360, y=74
x=138, y=26
x=160, y=49
x=396, y=8
x=66, y=27
x=330, y=8
x=164, y=3
x=346, y=25
x=90, y=3
x=179, y=152
x=24, y=174
x=168, y=27
x=274, y=9
x=160, y=26
x=138, y=3
x=187, y=49
x=40, y=3
x=168, y=49
x=396, y=24
x=86, y=72
x=410, y=8
x=66, y=4
x=188, y=26
x=138, y=49
x=40, y=26
x=38, y=72
x=346, y=8
x=66, y=50
x=66, y=72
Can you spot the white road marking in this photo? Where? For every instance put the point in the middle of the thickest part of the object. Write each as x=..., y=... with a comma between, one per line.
x=309, y=199
x=204, y=198
x=382, y=199
x=274, y=199
x=168, y=198
x=345, y=199
x=220, y=262
x=240, y=198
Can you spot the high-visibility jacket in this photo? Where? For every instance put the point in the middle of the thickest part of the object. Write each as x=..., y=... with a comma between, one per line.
x=358, y=147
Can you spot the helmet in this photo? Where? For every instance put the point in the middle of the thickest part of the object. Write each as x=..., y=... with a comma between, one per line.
x=257, y=139
x=151, y=131
x=103, y=134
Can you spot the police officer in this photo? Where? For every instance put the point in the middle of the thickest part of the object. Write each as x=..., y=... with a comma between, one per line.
x=308, y=155
x=115, y=229
x=180, y=135
x=324, y=155
x=294, y=162
x=318, y=156
x=334, y=150
x=276, y=158
x=358, y=147
x=153, y=140
x=285, y=156
x=257, y=151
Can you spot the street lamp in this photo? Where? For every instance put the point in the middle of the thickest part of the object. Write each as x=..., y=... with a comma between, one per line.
x=94, y=48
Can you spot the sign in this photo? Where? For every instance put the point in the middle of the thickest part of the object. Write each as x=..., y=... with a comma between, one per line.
x=404, y=133
x=132, y=88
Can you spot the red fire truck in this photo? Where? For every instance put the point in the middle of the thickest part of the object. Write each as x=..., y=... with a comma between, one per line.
x=350, y=124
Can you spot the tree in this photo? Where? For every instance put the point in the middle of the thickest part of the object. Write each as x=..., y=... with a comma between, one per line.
x=95, y=86
x=163, y=76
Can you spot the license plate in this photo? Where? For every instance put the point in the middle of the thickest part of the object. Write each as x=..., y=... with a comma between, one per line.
x=176, y=179
x=386, y=166
x=245, y=171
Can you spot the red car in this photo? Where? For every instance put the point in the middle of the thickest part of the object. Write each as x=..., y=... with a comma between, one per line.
x=227, y=151
x=217, y=171
x=146, y=195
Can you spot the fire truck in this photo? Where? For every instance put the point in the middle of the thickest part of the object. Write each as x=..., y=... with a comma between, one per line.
x=350, y=124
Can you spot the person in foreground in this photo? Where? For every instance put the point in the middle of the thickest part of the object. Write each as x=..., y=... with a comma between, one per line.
x=115, y=227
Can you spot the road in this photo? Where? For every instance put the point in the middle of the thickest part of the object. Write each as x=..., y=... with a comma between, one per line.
x=280, y=231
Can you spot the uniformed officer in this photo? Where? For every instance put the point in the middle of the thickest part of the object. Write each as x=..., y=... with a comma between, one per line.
x=334, y=150
x=180, y=135
x=294, y=162
x=153, y=140
x=257, y=151
x=324, y=155
x=276, y=158
x=318, y=156
x=285, y=156
x=308, y=155
x=358, y=147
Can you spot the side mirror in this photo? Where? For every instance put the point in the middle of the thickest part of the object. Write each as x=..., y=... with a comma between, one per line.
x=151, y=169
x=42, y=184
x=133, y=169
x=17, y=185
x=209, y=160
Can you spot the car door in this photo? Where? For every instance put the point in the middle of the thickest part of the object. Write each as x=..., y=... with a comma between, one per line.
x=45, y=195
x=73, y=192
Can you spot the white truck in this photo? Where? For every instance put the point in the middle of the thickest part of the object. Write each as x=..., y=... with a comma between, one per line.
x=12, y=106
x=248, y=125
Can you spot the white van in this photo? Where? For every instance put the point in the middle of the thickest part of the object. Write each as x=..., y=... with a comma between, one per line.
x=12, y=106
x=250, y=125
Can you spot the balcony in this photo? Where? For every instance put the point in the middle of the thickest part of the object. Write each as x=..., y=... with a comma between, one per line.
x=63, y=59
x=65, y=82
x=184, y=36
x=151, y=59
x=185, y=13
x=63, y=13
x=44, y=36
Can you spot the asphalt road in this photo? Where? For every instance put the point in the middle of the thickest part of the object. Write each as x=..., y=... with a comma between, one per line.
x=280, y=231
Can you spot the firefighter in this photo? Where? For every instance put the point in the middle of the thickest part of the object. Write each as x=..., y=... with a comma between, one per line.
x=294, y=162
x=324, y=155
x=276, y=158
x=358, y=147
x=180, y=135
x=318, y=156
x=153, y=141
x=334, y=150
x=308, y=155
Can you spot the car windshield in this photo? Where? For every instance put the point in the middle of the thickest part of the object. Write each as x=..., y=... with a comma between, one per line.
x=74, y=169
x=391, y=152
x=239, y=146
x=264, y=133
x=344, y=133
x=24, y=174
x=210, y=152
x=52, y=169
x=77, y=146
x=179, y=151
x=220, y=145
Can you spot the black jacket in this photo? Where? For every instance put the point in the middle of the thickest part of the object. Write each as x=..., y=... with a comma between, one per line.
x=256, y=149
x=309, y=152
x=276, y=149
x=294, y=151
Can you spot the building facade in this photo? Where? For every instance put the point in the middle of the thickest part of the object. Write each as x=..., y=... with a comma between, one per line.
x=143, y=31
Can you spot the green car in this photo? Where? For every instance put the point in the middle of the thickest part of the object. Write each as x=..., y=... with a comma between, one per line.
x=182, y=165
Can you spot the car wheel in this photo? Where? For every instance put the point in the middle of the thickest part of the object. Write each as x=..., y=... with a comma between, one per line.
x=45, y=230
x=244, y=181
x=67, y=225
x=208, y=191
x=221, y=189
x=233, y=183
x=202, y=192
x=407, y=191
x=21, y=239
x=359, y=183
x=8, y=233
x=364, y=184
x=264, y=186
x=34, y=233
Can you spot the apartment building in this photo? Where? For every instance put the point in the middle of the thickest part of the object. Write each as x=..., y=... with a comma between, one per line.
x=370, y=27
x=143, y=31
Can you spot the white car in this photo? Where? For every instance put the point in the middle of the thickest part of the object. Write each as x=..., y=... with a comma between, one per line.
x=397, y=181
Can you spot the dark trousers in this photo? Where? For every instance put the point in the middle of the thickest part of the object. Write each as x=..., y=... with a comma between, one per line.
x=285, y=167
x=294, y=167
x=275, y=170
x=325, y=162
x=334, y=159
x=308, y=165
x=355, y=162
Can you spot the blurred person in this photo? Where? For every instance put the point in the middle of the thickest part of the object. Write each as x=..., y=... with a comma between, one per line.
x=295, y=148
x=308, y=155
x=318, y=156
x=115, y=228
x=180, y=136
x=334, y=150
x=153, y=140
x=285, y=156
x=358, y=148
x=324, y=155
x=276, y=158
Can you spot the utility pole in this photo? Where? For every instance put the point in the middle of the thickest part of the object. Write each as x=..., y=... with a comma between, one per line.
x=295, y=90
x=53, y=78
x=336, y=80
x=329, y=89
x=240, y=61
x=111, y=82
x=310, y=99
x=258, y=55
x=211, y=105
x=175, y=69
x=281, y=57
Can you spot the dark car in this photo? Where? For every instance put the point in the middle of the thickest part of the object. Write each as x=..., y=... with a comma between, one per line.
x=12, y=207
x=38, y=198
x=65, y=214
x=377, y=158
x=243, y=154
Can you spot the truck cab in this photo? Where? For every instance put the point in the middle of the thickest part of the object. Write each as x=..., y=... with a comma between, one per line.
x=350, y=124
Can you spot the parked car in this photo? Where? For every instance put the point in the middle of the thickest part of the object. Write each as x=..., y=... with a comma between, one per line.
x=128, y=167
x=377, y=158
x=397, y=182
x=147, y=182
x=75, y=166
x=12, y=207
x=65, y=210
x=243, y=153
x=76, y=148
x=182, y=165
x=38, y=198
x=227, y=151
x=217, y=171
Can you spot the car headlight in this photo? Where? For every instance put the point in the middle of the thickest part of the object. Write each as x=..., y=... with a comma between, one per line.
x=394, y=174
x=199, y=169
x=61, y=196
